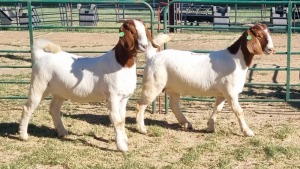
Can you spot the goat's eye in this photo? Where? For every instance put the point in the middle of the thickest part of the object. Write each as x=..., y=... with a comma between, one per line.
x=259, y=36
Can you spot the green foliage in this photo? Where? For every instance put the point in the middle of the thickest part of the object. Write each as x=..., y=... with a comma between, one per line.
x=224, y=163
x=283, y=132
x=194, y=153
x=274, y=151
x=255, y=142
x=155, y=131
x=242, y=153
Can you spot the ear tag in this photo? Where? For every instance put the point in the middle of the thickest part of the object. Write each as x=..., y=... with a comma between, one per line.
x=249, y=37
x=121, y=34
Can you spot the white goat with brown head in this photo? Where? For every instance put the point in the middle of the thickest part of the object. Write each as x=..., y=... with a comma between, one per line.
x=111, y=77
x=220, y=74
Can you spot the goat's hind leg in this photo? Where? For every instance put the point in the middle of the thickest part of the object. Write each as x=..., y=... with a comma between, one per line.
x=55, y=106
x=148, y=95
x=36, y=94
x=238, y=111
x=174, y=105
x=211, y=123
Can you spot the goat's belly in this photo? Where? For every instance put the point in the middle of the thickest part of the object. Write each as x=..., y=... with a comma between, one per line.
x=194, y=91
x=94, y=92
x=79, y=96
x=192, y=86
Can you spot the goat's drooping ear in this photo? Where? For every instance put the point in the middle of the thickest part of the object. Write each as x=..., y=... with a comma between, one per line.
x=253, y=44
x=126, y=35
x=150, y=38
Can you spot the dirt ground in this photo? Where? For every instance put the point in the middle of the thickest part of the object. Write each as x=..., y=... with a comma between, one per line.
x=258, y=114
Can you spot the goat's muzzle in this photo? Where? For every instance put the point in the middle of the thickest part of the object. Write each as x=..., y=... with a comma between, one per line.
x=270, y=51
x=143, y=48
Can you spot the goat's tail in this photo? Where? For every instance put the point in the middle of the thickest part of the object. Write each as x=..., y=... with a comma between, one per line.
x=159, y=40
x=41, y=46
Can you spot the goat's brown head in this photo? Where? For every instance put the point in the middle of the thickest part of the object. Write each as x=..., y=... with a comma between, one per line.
x=259, y=40
x=133, y=37
x=254, y=41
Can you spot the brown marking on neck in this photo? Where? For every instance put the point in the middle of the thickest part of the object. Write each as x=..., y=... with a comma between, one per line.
x=252, y=47
x=126, y=49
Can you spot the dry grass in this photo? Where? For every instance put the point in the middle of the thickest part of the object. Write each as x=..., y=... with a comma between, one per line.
x=90, y=143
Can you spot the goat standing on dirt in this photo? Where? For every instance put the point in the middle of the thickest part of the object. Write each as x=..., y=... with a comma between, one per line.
x=220, y=74
x=111, y=77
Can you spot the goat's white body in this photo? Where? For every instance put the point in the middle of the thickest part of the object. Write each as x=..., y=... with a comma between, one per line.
x=84, y=79
x=220, y=74
x=80, y=79
x=188, y=73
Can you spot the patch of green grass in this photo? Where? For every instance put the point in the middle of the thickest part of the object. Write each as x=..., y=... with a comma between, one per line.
x=224, y=163
x=194, y=153
x=221, y=132
x=242, y=153
x=255, y=142
x=155, y=131
x=273, y=151
x=283, y=132
x=130, y=164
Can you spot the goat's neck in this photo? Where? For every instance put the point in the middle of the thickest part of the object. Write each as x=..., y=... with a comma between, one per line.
x=124, y=57
x=241, y=44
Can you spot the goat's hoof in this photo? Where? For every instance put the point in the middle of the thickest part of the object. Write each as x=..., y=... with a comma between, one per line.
x=24, y=136
x=211, y=128
x=122, y=146
x=188, y=126
x=62, y=133
x=142, y=129
x=248, y=133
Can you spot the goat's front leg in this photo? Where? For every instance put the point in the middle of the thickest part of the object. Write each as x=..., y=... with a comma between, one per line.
x=55, y=106
x=238, y=111
x=211, y=123
x=174, y=105
x=122, y=111
x=113, y=105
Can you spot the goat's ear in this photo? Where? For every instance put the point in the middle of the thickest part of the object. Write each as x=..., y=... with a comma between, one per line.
x=128, y=38
x=150, y=38
x=253, y=44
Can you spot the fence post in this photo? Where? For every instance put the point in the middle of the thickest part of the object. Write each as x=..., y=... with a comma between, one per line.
x=30, y=27
x=288, y=64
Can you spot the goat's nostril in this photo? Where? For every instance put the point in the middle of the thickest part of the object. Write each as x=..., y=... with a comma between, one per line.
x=271, y=51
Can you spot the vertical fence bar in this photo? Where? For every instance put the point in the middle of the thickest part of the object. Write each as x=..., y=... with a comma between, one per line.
x=30, y=27
x=289, y=36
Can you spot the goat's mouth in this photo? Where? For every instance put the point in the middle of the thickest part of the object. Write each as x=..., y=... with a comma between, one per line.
x=269, y=51
x=142, y=48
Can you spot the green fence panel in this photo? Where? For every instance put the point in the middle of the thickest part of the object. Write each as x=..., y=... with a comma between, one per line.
x=290, y=29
